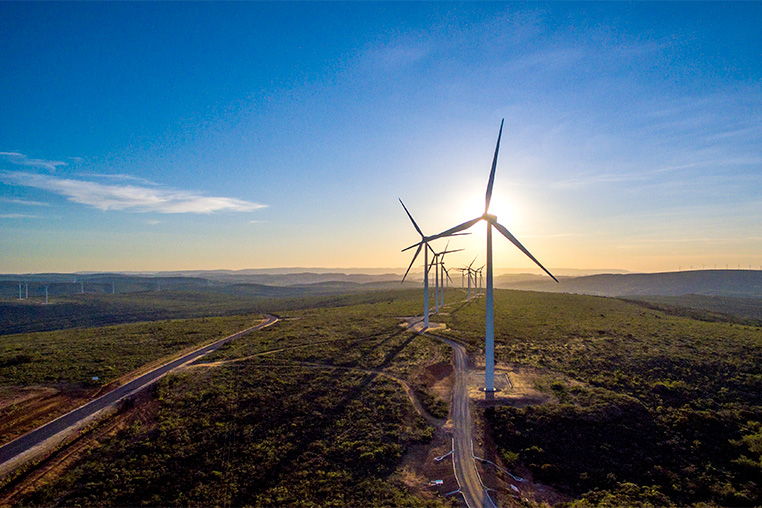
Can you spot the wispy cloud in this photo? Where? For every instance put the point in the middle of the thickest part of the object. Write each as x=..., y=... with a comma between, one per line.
x=24, y=202
x=128, y=197
x=22, y=160
x=18, y=216
x=118, y=176
x=397, y=55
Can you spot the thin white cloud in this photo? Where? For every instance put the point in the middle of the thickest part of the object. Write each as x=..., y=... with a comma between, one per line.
x=128, y=197
x=398, y=55
x=18, y=216
x=23, y=202
x=118, y=176
x=22, y=160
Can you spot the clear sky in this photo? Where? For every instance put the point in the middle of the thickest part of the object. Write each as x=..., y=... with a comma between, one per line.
x=166, y=136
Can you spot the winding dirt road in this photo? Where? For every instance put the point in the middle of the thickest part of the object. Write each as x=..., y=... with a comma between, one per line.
x=474, y=492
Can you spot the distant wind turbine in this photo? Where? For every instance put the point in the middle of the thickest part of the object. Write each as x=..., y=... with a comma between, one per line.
x=423, y=244
x=467, y=270
x=491, y=221
x=439, y=272
x=46, y=295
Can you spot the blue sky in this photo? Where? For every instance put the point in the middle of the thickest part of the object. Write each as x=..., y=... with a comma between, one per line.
x=147, y=136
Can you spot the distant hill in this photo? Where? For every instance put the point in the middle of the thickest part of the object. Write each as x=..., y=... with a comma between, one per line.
x=733, y=283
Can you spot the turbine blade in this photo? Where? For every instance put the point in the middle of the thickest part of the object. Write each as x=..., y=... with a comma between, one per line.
x=411, y=263
x=455, y=230
x=492, y=171
x=523, y=249
x=414, y=245
x=472, y=262
x=411, y=218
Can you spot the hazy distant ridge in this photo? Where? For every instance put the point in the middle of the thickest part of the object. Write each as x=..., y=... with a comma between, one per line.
x=741, y=283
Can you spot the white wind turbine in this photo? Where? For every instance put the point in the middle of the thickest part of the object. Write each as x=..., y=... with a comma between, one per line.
x=424, y=243
x=439, y=274
x=446, y=273
x=491, y=220
x=467, y=270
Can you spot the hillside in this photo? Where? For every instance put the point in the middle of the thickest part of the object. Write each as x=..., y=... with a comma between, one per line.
x=735, y=283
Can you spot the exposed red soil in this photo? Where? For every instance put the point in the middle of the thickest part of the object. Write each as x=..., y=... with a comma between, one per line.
x=144, y=410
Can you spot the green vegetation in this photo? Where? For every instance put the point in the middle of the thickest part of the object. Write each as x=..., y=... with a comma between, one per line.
x=255, y=437
x=88, y=310
x=77, y=355
x=670, y=408
x=746, y=311
x=299, y=414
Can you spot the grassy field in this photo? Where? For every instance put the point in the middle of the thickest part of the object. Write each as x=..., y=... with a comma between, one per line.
x=88, y=310
x=75, y=356
x=669, y=410
x=305, y=413
x=710, y=308
x=665, y=410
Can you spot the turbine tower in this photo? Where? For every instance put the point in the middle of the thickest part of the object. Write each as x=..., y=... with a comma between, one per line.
x=491, y=220
x=446, y=274
x=467, y=271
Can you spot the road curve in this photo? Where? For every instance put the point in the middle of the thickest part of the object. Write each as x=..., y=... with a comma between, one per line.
x=61, y=424
x=474, y=492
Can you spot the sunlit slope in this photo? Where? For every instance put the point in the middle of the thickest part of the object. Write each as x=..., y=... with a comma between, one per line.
x=740, y=283
x=664, y=400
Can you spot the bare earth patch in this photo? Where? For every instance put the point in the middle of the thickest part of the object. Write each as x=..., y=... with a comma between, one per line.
x=144, y=410
x=25, y=408
x=517, y=386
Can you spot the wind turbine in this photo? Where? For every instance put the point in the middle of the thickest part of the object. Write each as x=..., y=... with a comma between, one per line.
x=491, y=220
x=467, y=271
x=439, y=288
x=446, y=274
x=424, y=243
x=478, y=280
x=46, y=295
x=20, y=294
